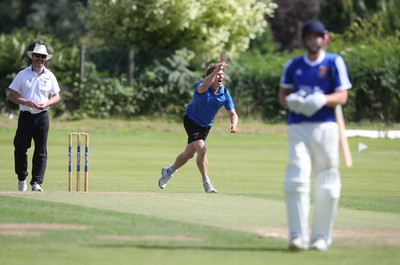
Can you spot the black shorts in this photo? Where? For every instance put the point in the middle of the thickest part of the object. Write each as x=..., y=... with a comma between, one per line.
x=194, y=131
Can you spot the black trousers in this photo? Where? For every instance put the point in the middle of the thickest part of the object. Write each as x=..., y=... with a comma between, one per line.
x=36, y=127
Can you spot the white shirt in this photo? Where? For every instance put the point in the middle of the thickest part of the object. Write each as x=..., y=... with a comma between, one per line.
x=32, y=86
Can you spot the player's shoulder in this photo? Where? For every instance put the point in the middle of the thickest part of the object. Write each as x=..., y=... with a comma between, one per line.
x=197, y=84
x=334, y=59
x=331, y=56
x=294, y=62
x=225, y=90
x=297, y=59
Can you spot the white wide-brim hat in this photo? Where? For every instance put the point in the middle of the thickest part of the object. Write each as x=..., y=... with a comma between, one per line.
x=39, y=49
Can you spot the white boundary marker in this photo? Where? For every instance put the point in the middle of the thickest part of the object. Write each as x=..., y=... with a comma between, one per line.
x=373, y=134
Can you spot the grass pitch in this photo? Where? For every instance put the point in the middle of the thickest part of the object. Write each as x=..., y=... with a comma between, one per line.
x=126, y=219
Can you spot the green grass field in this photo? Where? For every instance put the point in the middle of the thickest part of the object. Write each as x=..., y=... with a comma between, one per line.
x=126, y=219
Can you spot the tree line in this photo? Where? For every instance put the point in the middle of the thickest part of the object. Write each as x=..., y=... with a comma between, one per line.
x=142, y=57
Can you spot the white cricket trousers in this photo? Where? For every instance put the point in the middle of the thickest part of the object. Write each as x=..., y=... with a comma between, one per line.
x=312, y=147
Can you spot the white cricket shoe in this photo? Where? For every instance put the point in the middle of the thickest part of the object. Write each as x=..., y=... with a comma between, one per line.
x=165, y=177
x=22, y=185
x=320, y=245
x=36, y=187
x=297, y=244
x=208, y=187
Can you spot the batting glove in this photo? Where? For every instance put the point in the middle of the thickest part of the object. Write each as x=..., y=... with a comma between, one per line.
x=312, y=104
x=295, y=102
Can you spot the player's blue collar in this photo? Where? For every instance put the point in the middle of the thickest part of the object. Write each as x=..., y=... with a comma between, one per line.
x=222, y=89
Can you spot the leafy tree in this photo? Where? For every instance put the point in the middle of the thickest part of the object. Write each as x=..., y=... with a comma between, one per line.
x=339, y=15
x=373, y=64
x=12, y=50
x=56, y=17
x=288, y=20
x=206, y=28
x=13, y=58
x=13, y=14
x=392, y=17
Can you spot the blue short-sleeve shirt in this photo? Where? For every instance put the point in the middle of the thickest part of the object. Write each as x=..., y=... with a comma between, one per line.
x=326, y=75
x=203, y=107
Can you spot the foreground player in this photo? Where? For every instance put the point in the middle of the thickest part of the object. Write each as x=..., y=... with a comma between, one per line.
x=208, y=97
x=311, y=86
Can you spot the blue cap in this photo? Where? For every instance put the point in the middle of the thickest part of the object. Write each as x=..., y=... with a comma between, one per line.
x=313, y=26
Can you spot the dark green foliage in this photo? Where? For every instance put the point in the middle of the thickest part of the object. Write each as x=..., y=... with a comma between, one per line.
x=255, y=84
x=162, y=88
x=339, y=15
x=374, y=68
x=374, y=71
x=289, y=18
x=13, y=58
x=12, y=50
x=56, y=17
x=166, y=86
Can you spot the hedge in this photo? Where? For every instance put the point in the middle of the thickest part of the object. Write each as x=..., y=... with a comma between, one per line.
x=165, y=86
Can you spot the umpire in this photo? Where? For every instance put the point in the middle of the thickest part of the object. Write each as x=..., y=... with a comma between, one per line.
x=34, y=89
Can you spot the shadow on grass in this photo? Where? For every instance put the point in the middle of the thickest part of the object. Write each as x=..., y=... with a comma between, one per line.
x=205, y=248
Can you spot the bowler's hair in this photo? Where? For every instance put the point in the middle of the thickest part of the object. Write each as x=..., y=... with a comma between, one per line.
x=211, y=67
